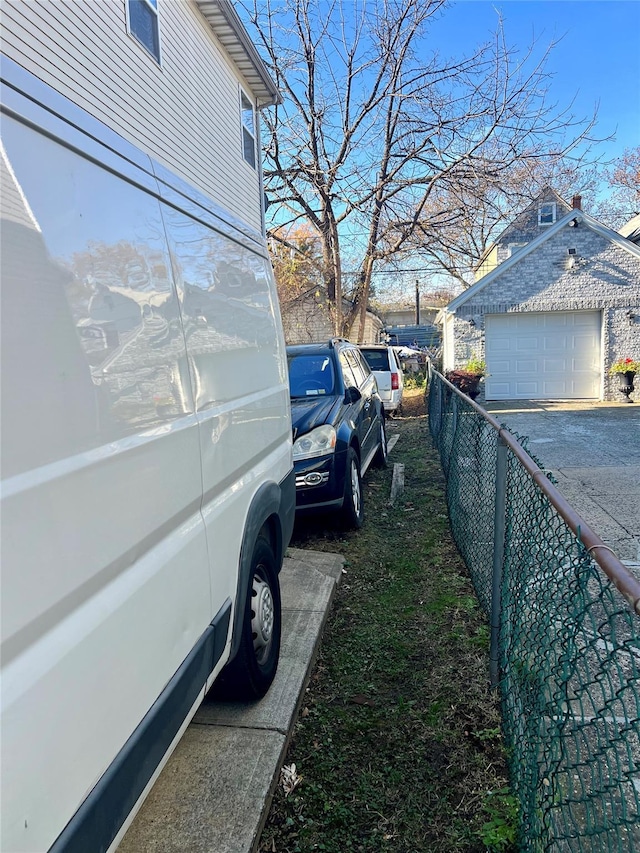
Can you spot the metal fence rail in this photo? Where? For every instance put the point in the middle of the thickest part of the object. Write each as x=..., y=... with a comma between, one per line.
x=565, y=647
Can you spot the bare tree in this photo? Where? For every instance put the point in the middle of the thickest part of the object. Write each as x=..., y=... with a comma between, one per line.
x=623, y=201
x=296, y=256
x=375, y=123
x=471, y=215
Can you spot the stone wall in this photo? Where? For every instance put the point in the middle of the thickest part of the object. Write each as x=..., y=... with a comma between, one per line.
x=308, y=319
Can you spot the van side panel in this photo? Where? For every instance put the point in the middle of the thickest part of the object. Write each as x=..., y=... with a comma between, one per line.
x=145, y=415
x=231, y=319
x=106, y=584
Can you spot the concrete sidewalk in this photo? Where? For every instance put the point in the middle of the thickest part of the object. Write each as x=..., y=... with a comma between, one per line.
x=213, y=795
x=593, y=450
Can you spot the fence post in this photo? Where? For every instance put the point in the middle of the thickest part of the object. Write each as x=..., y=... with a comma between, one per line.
x=499, y=526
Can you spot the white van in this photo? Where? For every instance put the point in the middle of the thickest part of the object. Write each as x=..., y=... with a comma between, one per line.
x=147, y=486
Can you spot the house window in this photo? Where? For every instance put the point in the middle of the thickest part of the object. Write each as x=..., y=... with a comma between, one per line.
x=547, y=213
x=142, y=20
x=248, y=130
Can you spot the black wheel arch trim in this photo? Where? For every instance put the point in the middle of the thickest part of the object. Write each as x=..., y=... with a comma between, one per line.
x=273, y=505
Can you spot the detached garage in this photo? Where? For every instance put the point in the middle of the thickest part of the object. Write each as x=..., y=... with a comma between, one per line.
x=543, y=356
x=551, y=318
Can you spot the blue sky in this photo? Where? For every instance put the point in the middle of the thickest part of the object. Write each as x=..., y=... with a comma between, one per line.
x=596, y=60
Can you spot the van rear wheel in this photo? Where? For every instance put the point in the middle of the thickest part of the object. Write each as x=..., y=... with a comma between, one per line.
x=250, y=674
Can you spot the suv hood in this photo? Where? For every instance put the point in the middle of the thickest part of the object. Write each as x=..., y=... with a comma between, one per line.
x=310, y=412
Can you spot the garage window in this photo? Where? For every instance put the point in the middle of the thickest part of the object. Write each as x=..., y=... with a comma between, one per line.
x=547, y=213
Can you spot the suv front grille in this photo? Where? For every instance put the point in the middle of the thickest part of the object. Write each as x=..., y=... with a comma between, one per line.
x=314, y=478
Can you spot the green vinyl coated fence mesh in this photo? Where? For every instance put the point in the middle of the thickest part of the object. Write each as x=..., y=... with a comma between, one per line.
x=567, y=648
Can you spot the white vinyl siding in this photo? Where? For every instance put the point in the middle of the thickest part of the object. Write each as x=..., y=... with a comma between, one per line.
x=184, y=114
x=543, y=356
x=448, y=341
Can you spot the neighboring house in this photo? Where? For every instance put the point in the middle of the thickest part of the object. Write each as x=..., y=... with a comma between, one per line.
x=551, y=318
x=540, y=215
x=180, y=80
x=407, y=316
x=308, y=319
x=631, y=229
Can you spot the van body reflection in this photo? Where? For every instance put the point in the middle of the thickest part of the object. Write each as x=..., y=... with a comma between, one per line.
x=147, y=483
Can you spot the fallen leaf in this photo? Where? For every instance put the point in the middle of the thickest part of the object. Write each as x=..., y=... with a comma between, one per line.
x=289, y=778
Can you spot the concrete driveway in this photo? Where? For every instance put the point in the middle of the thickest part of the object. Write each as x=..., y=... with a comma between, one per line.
x=593, y=450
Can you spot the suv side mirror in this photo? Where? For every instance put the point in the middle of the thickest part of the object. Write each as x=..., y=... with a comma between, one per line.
x=352, y=395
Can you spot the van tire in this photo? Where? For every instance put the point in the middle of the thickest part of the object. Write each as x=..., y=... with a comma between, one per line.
x=251, y=672
x=352, y=513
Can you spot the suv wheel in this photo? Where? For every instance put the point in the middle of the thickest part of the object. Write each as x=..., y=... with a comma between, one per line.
x=352, y=509
x=382, y=455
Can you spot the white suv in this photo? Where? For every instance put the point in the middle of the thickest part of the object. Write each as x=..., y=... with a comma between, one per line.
x=385, y=366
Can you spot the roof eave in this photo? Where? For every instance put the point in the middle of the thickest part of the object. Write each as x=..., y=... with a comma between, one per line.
x=226, y=24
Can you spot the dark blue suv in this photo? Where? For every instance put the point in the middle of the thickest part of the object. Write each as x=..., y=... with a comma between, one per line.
x=338, y=426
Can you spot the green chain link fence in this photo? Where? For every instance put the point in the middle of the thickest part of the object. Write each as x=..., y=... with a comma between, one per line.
x=565, y=641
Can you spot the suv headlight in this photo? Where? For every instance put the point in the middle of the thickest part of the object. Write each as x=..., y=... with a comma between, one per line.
x=319, y=442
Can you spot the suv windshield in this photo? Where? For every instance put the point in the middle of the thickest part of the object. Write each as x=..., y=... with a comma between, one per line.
x=311, y=375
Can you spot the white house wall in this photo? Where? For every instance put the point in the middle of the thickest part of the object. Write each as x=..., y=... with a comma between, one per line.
x=605, y=277
x=458, y=343
x=185, y=113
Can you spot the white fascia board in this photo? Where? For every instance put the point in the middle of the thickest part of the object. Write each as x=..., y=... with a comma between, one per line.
x=614, y=236
x=226, y=24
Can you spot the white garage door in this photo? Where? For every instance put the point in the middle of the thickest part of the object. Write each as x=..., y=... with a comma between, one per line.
x=554, y=356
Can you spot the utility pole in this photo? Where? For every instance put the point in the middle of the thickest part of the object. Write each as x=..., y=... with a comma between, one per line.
x=417, y=304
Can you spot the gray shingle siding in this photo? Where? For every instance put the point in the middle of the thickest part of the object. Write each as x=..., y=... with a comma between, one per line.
x=604, y=275
x=526, y=227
